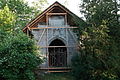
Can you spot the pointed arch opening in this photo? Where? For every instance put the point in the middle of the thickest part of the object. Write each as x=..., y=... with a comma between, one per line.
x=57, y=54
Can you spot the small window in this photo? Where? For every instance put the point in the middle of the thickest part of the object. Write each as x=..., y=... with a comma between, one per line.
x=57, y=21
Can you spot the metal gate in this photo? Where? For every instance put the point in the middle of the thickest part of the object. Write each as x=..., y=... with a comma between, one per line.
x=57, y=54
x=57, y=57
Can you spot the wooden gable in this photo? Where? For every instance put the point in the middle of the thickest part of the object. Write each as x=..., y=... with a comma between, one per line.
x=55, y=9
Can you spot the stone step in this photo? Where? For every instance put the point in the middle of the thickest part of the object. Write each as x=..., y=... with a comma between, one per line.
x=56, y=69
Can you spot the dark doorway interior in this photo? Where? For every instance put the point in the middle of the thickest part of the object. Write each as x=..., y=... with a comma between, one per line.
x=57, y=55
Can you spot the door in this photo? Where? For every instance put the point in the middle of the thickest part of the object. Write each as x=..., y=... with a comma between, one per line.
x=57, y=54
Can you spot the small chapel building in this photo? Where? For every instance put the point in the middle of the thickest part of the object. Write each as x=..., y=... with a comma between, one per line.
x=55, y=31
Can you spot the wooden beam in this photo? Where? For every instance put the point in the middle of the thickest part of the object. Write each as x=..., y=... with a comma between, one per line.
x=56, y=13
x=47, y=57
x=27, y=32
x=52, y=27
x=56, y=46
x=55, y=68
x=65, y=9
x=59, y=71
x=65, y=19
x=37, y=18
x=28, y=28
x=41, y=15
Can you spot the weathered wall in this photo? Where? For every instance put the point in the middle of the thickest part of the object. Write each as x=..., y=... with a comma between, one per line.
x=47, y=36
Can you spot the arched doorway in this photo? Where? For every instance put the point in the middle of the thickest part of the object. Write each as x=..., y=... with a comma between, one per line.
x=57, y=55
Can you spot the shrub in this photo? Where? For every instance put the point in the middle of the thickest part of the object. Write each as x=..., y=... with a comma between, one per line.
x=80, y=69
x=18, y=57
x=87, y=67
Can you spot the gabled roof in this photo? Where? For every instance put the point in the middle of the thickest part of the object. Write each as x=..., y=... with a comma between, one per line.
x=36, y=19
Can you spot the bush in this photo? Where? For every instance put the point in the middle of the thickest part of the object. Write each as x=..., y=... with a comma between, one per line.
x=18, y=57
x=87, y=67
x=80, y=69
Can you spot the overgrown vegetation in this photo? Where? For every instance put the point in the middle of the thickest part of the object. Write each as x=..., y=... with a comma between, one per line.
x=56, y=76
x=99, y=55
x=23, y=12
x=18, y=57
x=18, y=53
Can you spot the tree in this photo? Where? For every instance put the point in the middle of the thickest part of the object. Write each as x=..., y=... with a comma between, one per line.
x=7, y=19
x=18, y=57
x=98, y=10
x=38, y=6
x=19, y=8
x=99, y=54
x=18, y=53
x=24, y=12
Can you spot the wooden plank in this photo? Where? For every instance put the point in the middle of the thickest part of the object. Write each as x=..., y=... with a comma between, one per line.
x=56, y=68
x=27, y=32
x=47, y=57
x=52, y=27
x=28, y=28
x=56, y=13
x=55, y=46
x=37, y=18
x=59, y=71
x=66, y=19
x=65, y=9
x=45, y=11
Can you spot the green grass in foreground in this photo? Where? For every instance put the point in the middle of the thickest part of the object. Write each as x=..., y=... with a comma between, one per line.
x=57, y=76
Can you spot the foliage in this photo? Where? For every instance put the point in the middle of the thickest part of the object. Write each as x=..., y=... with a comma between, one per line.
x=38, y=6
x=7, y=18
x=24, y=12
x=18, y=57
x=95, y=56
x=16, y=6
x=87, y=67
x=19, y=8
x=18, y=53
x=97, y=11
x=99, y=55
x=56, y=76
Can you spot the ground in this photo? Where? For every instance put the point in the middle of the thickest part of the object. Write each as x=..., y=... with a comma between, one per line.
x=56, y=76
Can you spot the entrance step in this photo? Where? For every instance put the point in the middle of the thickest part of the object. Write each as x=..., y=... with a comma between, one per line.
x=56, y=69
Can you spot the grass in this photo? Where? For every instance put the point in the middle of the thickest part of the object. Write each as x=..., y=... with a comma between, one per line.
x=57, y=76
